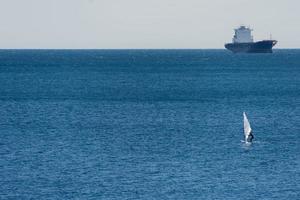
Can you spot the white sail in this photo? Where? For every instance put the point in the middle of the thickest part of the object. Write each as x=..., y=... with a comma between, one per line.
x=247, y=127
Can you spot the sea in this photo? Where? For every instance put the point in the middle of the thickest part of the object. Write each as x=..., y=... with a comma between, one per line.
x=149, y=124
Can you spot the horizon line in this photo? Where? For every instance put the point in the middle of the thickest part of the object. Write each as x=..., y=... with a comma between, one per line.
x=1, y=49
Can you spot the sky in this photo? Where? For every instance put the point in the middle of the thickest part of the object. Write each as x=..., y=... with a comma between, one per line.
x=126, y=24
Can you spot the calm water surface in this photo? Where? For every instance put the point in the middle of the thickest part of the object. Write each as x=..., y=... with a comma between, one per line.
x=148, y=124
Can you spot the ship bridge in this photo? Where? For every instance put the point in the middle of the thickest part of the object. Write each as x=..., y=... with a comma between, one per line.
x=242, y=35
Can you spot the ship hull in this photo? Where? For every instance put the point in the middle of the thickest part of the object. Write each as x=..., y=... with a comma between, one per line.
x=264, y=46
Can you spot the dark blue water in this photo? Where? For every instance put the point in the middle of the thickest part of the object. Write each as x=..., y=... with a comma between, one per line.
x=148, y=124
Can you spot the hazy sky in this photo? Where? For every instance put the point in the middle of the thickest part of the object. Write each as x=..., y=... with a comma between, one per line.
x=144, y=23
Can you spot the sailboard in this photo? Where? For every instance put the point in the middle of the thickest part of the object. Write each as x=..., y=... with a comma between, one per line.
x=247, y=129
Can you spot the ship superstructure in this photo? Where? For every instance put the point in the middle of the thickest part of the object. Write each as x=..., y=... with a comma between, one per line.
x=242, y=42
x=242, y=35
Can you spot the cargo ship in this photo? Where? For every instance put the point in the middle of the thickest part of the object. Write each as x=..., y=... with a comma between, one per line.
x=242, y=42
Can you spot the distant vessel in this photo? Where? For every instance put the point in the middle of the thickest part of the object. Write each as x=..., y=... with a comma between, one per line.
x=247, y=129
x=242, y=42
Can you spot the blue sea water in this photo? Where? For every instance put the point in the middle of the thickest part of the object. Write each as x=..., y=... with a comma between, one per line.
x=148, y=124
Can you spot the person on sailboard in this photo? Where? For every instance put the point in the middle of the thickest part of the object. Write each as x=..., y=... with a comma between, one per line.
x=250, y=137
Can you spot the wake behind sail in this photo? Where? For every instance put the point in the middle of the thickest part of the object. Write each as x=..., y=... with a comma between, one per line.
x=247, y=129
